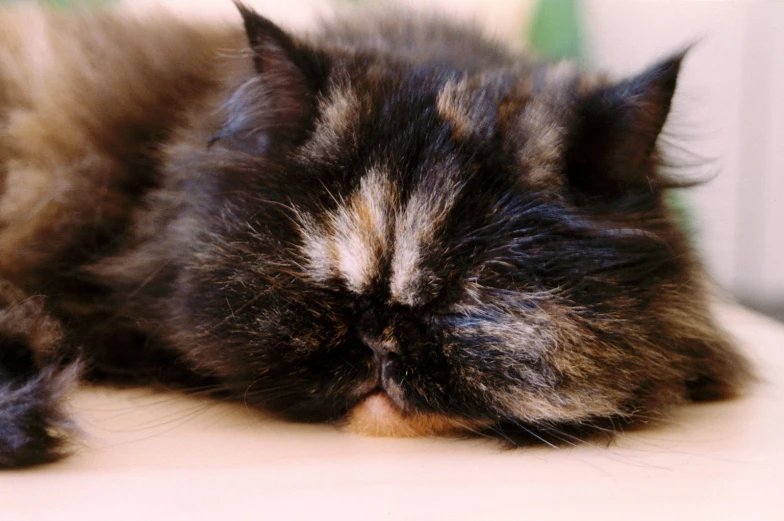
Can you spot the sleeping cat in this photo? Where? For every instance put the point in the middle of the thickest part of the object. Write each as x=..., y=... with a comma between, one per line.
x=393, y=224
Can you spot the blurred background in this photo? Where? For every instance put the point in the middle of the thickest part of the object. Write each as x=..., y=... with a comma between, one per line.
x=728, y=111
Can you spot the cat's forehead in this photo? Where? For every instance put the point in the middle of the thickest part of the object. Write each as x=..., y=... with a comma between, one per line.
x=389, y=228
x=479, y=103
x=528, y=107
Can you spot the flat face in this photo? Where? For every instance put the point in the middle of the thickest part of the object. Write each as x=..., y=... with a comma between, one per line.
x=419, y=256
x=420, y=243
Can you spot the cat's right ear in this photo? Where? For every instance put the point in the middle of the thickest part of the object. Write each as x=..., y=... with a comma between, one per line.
x=277, y=105
x=275, y=52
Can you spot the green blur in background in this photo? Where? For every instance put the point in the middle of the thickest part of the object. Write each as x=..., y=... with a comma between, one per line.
x=555, y=30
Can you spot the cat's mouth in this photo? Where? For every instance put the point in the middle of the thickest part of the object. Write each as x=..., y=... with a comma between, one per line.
x=380, y=399
x=382, y=410
x=377, y=384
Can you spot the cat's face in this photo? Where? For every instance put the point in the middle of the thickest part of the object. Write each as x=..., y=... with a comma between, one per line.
x=443, y=249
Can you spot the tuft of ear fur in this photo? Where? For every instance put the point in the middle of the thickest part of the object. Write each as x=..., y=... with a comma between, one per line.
x=611, y=145
x=277, y=105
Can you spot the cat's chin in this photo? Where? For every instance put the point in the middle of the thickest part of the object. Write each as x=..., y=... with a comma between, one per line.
x=378, y=415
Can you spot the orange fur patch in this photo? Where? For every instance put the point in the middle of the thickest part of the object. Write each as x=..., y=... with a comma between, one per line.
x=378, y=416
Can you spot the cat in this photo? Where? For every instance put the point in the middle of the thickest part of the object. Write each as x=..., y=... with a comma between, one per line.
x=393, y=224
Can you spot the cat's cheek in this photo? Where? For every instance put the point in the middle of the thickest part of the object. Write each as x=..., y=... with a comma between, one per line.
x=378, y=416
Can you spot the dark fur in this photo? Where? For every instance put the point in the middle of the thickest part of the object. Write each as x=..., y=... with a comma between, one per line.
x=551, y=287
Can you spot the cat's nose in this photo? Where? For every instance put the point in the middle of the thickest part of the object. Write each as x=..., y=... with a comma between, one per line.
x=385, y=351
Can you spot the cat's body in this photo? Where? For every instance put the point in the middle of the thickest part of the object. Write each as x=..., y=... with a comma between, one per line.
x=394, y=224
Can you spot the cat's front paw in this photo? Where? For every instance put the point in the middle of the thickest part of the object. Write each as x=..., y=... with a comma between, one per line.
x=33, y=426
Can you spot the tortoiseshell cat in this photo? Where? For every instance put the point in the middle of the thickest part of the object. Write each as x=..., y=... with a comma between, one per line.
x=394, y=224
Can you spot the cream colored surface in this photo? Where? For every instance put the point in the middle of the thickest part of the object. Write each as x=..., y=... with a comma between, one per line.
x=164, y=456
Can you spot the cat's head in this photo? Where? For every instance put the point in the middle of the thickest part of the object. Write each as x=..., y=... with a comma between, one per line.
x=419, y=248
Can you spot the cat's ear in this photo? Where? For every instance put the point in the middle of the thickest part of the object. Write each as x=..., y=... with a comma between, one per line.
x=278, y=104
x=275, y=52
x=610, y=150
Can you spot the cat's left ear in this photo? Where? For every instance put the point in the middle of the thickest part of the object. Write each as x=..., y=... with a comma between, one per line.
x=280, y=102
x=610, y=150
